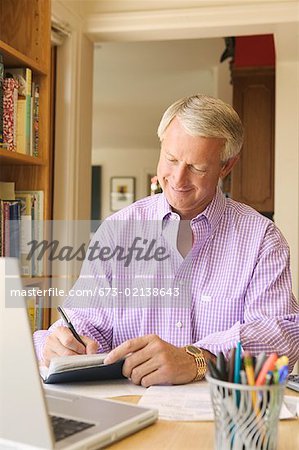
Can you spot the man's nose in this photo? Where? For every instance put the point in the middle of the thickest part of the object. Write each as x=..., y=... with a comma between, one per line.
x=180, y=174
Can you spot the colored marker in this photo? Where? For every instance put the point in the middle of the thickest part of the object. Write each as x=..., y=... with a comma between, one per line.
x=260, y=361
x=237, y=376
x=268, y=365
x=283, y=373
x=248, y=364
x=238, y=362
x=282, y=361
x=275, y=376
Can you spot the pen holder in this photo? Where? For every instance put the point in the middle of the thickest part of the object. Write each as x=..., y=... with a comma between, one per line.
x=246, y=417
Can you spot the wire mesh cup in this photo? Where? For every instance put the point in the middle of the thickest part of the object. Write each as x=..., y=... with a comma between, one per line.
x=246, y=417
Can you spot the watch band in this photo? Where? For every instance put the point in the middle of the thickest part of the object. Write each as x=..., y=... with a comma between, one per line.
x=200, y=361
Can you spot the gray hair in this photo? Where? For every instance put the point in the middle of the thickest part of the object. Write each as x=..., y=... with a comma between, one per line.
x=202, y=115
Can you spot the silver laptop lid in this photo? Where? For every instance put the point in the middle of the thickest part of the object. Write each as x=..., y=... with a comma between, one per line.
x=23, y=413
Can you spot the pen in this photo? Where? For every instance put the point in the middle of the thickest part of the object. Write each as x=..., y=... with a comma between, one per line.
x=213, y=370
x=238, y=363
x=282, y=361
x=283, y=373
x=69, y=324
x=269, y=365
x=275, y=376
x=243, y=377
x=221, y=366
x=260, y=361
x=248, y=363
x=231, y=365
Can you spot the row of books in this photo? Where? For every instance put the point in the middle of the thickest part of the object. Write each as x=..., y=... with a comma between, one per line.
x=19, y=110
x=21, y=222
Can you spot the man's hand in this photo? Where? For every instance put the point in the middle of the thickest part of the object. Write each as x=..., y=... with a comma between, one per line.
x=151, y=361
x=61, y=343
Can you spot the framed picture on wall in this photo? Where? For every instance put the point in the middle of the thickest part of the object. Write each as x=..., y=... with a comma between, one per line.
x=122, y=192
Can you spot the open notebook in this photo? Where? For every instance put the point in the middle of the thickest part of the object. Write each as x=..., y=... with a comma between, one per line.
x=69, y=369
x=53, y=420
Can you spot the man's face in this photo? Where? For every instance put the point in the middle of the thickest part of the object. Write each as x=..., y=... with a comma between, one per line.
x=189, y=169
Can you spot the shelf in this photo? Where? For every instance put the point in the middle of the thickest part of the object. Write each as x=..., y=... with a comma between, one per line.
x=14, y=58
x=42, y=282
x=8, y=157
x=25, y=42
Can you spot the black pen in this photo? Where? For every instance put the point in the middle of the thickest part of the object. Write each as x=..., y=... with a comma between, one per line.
x=213, y=370
x=221, y=366
x=69, y=325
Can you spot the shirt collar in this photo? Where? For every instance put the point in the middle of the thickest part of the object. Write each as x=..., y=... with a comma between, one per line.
x=163, y=207
x=212, y=213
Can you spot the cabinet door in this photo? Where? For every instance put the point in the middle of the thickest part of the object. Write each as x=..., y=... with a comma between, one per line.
x=254, y=100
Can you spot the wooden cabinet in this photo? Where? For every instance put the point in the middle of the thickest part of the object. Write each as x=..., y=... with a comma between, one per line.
x=25, y=27
x=252, y=179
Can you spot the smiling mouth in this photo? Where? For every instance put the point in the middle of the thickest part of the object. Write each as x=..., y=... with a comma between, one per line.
x=181, y=191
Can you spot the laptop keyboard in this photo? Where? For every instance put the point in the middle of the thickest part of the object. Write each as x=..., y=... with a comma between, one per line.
x=64, y=428
x=293, y=382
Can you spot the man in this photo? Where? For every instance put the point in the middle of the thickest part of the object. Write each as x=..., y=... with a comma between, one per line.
x=220, y=270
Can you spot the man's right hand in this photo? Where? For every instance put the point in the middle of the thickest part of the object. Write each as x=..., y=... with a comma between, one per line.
x=61, y=343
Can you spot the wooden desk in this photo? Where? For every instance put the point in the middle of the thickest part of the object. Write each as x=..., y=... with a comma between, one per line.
x=170, y=435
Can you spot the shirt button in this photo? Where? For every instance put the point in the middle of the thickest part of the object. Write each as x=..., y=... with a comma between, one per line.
x=179, y=324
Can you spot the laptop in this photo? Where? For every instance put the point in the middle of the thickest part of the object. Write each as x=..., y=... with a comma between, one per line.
x=32, y=417
x=293, y=382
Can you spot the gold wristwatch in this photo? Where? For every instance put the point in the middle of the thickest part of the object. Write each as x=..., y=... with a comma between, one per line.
x=199, y=359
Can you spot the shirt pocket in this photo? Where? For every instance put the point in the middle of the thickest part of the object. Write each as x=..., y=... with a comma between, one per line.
x=216, y=313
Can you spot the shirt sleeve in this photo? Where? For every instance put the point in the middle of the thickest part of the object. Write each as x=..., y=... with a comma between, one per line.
x=271, y=314
x=88, y=304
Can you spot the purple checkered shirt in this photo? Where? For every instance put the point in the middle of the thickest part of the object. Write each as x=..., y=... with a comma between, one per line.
x=234, y=285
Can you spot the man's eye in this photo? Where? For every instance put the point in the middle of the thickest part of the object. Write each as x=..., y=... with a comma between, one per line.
x=196, y=169
x=169, y=158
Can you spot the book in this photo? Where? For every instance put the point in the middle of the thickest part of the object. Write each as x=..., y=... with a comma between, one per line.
x=14, y=232
x=10, y=99
x=1, y=97
x=5, y=226
x=26, y=202
x=7, y=190
x=35, y=120
x=34, y=303
x=23, y=77
x=21, y=126
x=31, y=312
x=69, y=369
x=37, y=232
x=9, y=228
x=39, y=312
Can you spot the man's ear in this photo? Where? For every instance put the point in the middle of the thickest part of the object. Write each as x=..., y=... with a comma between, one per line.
x=228, y=165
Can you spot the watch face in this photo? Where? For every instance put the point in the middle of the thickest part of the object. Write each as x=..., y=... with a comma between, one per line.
x=193, y=350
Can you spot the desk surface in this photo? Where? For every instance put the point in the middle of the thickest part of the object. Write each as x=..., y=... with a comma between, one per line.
x=166, y=435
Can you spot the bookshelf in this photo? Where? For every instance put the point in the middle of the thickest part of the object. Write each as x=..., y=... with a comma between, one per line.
x=25, y=41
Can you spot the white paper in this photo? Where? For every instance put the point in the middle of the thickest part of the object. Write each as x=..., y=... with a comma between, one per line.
x=290, y=408
x=192, y=402
x=98, y=389
x=183, y=402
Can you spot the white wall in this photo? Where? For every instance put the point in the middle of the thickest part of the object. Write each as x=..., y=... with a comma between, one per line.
x=286, y=180
x=216, y=20
x=123, y=162
x=133, y=84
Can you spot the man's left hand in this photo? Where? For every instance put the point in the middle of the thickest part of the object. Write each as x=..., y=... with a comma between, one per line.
x=150, y=360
